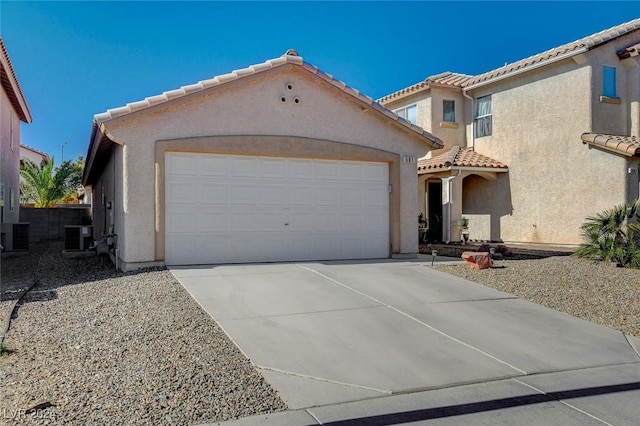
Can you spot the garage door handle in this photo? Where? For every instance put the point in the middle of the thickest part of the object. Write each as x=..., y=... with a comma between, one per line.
x=286, y=224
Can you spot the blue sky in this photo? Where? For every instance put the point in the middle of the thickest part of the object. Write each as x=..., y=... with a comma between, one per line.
x=77, y=59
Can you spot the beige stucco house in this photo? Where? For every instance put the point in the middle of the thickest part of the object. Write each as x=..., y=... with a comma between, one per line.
x=279, y=161
x=534, y=147
x=13, y=110
x=34, y=155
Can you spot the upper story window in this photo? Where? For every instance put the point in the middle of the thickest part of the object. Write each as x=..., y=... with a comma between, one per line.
x=484, y=110
x=449, y=111
x=409, y=113
x=609, y=86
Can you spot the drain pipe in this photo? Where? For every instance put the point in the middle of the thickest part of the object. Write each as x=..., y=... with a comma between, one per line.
x=473, y=124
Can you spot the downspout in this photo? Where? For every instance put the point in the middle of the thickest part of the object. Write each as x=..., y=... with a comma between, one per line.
x=450, y=197
x=473, y=126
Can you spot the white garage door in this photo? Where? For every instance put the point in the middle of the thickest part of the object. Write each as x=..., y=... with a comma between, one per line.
x=234, y=209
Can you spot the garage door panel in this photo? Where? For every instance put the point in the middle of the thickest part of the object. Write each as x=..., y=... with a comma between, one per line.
x=327, y=196
x=211, y=220
x=326, y=171
x=240, y=166
x=272, y=194
x=300, y=169
x=212, y=166
x=376, y=172
x=181, y=221
x=243, y=221
x=181, y=165
x=272, y=220
x=376, y=196
x=351, y=172
x=273, y=168
x=256, y=209
x=301, y=195
x=214, y=192
x=181, y=192
x=374, y=222
x=351, y=196
x=243, y=193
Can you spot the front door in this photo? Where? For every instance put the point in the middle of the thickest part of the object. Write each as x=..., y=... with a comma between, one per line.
x=434, y=200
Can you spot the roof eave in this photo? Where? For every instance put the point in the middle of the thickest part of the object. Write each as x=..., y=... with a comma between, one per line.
x=403, y=94
x=365, y=102
x=526, y=69
x=634, y=153
x=14, y=89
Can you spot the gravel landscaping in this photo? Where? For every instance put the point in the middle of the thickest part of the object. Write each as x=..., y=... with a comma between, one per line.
x=596, y=292
x=93, y=346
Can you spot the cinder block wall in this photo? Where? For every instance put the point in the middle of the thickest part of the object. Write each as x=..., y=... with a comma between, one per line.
x=48, y=224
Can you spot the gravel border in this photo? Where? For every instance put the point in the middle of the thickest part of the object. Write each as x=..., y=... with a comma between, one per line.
x=596, y=292
x=93, y=346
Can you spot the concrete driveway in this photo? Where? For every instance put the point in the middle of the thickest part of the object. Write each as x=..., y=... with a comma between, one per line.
x=364, y=340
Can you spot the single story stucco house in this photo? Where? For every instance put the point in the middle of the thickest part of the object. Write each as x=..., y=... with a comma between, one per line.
x=275, y=162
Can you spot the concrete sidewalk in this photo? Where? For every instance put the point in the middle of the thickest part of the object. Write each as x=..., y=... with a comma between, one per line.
x=386, y=342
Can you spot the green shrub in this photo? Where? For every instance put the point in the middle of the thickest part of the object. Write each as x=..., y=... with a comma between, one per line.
x=613, y=236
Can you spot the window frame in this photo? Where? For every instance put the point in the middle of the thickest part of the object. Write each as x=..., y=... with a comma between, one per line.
x=404, y=112
x=483, y=118
x=609, y=82
x=444, y=110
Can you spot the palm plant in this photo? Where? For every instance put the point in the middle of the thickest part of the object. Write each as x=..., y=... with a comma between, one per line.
x=613, y=236
x=47, y=185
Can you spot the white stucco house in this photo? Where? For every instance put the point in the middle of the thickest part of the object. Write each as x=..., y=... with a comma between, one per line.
x=276, y=162
x=534, y=147
x=13, y=110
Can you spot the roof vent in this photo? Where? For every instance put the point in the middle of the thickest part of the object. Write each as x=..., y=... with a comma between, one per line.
x=291, y=52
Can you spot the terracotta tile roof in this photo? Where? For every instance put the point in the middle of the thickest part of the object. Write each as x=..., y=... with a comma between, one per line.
x=450, y=79
x=290, y=57
x=627, y=52
x=11, y=85
x=98, y=141
x=626, y=145
x=568, y=49
x=458, y=157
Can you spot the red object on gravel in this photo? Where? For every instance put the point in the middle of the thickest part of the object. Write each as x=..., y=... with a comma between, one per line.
x=477, y=260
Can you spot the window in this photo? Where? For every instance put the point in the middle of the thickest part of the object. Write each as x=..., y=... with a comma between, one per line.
x=12, y=199
x=449, y=111
x=2, y=195
x=483, y=116
x=409, y=113
x=609, y=88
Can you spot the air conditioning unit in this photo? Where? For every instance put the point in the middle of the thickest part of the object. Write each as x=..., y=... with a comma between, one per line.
x=78, y=237
x=15, y=236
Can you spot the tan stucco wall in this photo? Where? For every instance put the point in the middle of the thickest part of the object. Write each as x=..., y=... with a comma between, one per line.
x=253, y=107
x=106, y=190
x=429, y=115
x=9, y=158
x=555, y=181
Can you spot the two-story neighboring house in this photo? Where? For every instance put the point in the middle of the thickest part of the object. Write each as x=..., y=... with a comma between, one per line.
x=13, y=110
x=38, y=157
x=534, y=147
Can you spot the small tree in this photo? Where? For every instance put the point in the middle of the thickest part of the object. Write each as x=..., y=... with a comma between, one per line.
x=612, y=236
x=47, y=185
